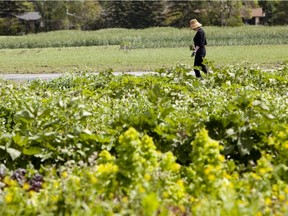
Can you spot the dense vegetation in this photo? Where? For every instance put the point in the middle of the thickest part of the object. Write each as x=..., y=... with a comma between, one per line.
x=158, y=144
x=150, y=38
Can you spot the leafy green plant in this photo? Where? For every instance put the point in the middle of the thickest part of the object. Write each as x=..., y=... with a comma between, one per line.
x=106, y=144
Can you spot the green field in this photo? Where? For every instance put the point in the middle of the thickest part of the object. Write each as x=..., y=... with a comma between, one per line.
x=140, y=50
x=100, y=58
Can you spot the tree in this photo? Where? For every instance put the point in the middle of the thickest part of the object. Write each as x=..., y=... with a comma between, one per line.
x=275, y=12
x=53, y=14
x=9, y=24
x=227, y=13
x=85, y=15
x=280, y=16
x=77, y=14
x=143, y=14
x=269, y=8
x=133, y=14
x=9, y=8
x=179, y=13
x=115, y=14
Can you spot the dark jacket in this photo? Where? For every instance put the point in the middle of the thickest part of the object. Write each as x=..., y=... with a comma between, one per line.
x=200, y=40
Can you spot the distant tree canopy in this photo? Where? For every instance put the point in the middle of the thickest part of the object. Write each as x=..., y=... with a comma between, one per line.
x=179, y=13
x=12, y=8
x=9, y=24
x=134, y=14
x=97, y=14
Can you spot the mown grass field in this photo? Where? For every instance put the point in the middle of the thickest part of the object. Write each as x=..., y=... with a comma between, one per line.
x=100, y=58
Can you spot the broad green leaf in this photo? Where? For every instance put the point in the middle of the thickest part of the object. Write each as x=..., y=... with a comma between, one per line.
x=84, y=114
x=87, y=131
x=32, y=150
x=14, y=154
x=150, y=204
x=44, y=156
x=50, y=134
x=270, y=116
x=88, y=137
x=228, y=149
x=230, y=131
x=20, y=140
x=244, y=146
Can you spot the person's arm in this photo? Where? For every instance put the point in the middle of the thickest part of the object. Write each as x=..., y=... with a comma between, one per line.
x=196, y=43
x=200, y=41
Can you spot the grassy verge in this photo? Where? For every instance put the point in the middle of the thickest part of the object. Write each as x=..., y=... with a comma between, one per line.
x=61, y=60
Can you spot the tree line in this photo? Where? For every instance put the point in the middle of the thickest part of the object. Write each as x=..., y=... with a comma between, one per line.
x=93, y=15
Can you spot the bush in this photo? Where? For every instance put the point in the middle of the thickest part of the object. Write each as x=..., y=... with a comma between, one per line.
x=10, y=26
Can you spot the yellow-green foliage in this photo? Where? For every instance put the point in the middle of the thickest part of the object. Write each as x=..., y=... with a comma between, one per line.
x=157, y=184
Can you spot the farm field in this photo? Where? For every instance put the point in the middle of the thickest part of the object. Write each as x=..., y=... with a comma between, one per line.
x=145, y=50
x=157, y=37
x=165, y=144
x=158, y=144
x=100, y=58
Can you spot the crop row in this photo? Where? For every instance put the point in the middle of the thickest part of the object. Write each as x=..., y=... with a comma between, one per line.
x=49, y=118
x=149, y=38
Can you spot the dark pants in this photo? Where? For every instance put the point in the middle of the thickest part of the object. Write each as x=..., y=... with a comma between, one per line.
x=198, y=61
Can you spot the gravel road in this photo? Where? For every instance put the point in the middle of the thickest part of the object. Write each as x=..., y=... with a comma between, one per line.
x=26, y=77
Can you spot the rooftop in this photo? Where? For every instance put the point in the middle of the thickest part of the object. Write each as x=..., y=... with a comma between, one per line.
x=258, y=12
x=30, y=16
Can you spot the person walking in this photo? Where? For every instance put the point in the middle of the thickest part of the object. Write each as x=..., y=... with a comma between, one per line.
x=199, y=47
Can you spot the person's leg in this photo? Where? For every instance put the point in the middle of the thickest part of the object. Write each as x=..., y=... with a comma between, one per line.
x=197, y=63
x=204, y=68
x=197, y=73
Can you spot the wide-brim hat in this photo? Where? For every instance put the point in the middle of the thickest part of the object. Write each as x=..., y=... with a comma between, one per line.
x=194, y=24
